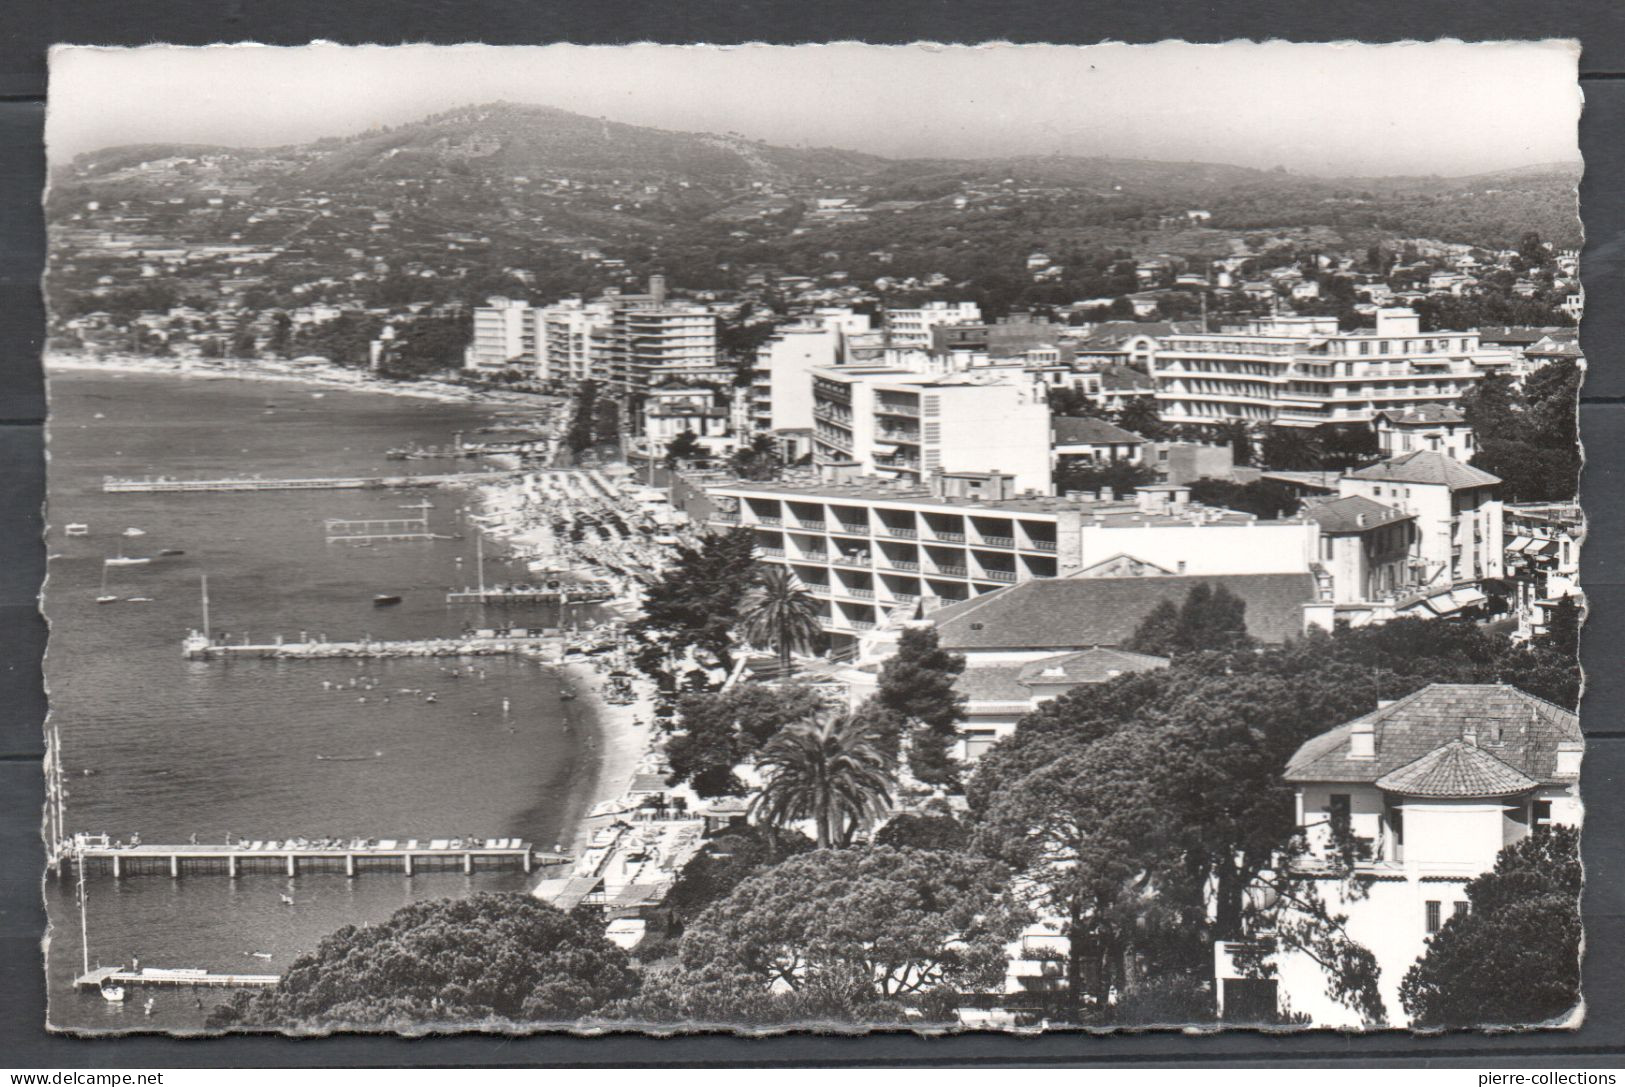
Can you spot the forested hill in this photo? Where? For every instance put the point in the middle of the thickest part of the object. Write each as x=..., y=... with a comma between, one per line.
x=503, y=185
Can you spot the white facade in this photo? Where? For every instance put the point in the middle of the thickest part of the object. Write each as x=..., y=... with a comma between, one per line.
x=1301, y=371
x=504, y=336
x=912, y=327
x=1459, y=538
x=572, y=335
x=909, y=426
x=781, y=390
x=1429, y=789
x=868, y=546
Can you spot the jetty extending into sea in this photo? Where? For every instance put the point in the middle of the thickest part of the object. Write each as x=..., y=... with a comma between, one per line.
x=108, y=976
x=547, y=644
x=293, y=855
x=111, y=485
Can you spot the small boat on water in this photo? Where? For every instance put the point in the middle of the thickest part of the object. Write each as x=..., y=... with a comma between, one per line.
x=113, y=994
x=140, y=600
x=350, y=758
x=170, y=552
x=76, y=529
x=133, y=532
x=121, y=559
x=384, y=600
x=105, y=597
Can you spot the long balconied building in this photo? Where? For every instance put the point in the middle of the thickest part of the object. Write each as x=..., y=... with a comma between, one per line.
x=866, y=547
x=1302, y=371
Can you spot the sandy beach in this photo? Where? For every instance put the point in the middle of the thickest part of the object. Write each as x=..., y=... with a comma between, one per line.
x=321, y=377
x=626, y=737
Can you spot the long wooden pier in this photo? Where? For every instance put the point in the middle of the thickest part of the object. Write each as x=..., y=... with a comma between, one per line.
x=592, y=592
x=192, y=979
x=291, y=856
x=110, y=485
x=494, y=644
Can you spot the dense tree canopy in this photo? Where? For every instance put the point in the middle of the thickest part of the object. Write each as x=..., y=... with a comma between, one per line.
x=1208, y=619
x=694, y=607
x=1514, y=958
x=916, y=692
x=720, y=730
x=491, y=959
x=1215, y=731
x=1529, y=437
x=902, y=924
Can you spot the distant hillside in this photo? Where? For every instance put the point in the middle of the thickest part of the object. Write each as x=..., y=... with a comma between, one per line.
x=540, y=141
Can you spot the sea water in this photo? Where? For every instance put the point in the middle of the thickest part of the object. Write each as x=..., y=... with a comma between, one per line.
x=167, y=748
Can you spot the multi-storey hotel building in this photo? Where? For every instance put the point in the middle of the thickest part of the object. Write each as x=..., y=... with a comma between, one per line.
x=903, y=425
x=865, y=547
x=1302, y=371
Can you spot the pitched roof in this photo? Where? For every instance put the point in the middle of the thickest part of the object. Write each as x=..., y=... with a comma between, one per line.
x=1088, y=430
x=1459, y=770
x=1427, y=466
x=1021, y=682
x=992, y=683
x=1088, y=666
x=1519, y=729
x=1356, y=513
x=1117, y=378
x=1425, y=413
x=1084, y=612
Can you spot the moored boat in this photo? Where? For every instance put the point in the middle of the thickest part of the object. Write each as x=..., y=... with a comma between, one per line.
x=384, y=600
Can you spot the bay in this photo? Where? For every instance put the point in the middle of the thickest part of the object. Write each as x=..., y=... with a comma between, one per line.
x=166, y=748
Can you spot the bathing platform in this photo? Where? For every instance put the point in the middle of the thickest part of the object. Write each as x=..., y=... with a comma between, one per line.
x=173, y=979
x=293, y=856
x=111, y=485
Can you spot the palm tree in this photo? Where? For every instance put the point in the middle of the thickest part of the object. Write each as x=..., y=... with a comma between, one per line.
x=778, y=613
x=829, y=769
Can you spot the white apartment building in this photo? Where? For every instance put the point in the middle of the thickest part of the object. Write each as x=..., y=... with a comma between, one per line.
x=912, y=327
x=669, y=339
x=1429, y=789
x=504, y=336
x=781, y=387
x=1458, y=519
x=865, y=547
x=906, y=425
x=1302, y=371
x=1428, y=426
x=574, y=340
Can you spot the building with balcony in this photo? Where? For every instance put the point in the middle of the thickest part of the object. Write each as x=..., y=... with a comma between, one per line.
x=1303, y=371
x=504, y=336
x=1366, y=556
x=1424, y=792
x=871, y=549
x=649, y=343
x=781, y=393
x=1542, y=560
x=1434, y=427
x=912, y=327
x=905, y=425
x=1459, y=541
x=671, y=410
x=575, y=340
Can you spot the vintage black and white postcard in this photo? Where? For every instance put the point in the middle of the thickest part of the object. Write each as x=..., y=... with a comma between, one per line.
x=827, y=537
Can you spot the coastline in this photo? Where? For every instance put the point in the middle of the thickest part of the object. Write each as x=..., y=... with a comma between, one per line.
x=322, y=377
x=621, y=738
x=624, y=740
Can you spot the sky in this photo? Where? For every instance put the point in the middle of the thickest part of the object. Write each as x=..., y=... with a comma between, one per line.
x=1447, y=108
